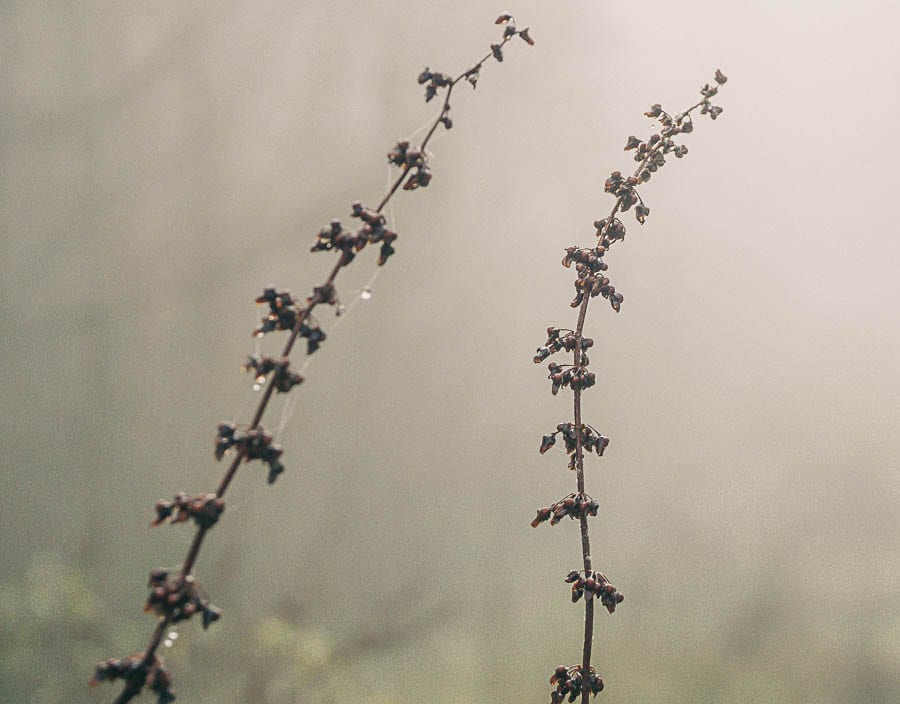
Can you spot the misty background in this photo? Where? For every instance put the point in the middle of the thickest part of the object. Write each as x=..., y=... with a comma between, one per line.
x=160, y=163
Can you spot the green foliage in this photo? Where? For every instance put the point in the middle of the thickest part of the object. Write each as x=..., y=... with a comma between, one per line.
x=53, y=627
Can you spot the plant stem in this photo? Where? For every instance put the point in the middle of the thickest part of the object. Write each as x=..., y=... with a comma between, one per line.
x=579, y=449
x=135, y=682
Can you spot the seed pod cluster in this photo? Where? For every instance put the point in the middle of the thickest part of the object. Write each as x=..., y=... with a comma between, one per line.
x=262, y=366
x=177, y=598
x=575, y=506
x=560, y=339
x=204, y=509
x=708, y=91
x=255, y=444
x=590, y=281
x=509, y=31
x=623, y=189
x=283, y=311
x=594, y=584
x=569, y=683
x=608, y=231
x=313, y=334
x=433, y=80
x=373, y=230
x=413, y=161
x=577, y=378
x=590, y=440
x=154, y=677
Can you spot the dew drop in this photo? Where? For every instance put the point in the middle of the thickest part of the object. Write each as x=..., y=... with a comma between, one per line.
x=341, y=309
x=259, y=335
x=260, y=379
x=168, y=643
x=173, y=635
x=366, y=293
x=257, y=386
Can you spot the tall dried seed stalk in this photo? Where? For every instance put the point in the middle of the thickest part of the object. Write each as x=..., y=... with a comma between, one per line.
x=176, y=596
x=583, y=680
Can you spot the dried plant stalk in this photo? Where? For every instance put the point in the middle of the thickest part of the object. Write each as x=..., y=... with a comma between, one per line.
x=176, y=596
x=582, y=680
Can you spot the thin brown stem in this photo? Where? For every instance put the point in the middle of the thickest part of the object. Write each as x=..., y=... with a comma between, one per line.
x=579, y=477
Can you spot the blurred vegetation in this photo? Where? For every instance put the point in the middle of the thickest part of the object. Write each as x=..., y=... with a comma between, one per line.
x=56, y=630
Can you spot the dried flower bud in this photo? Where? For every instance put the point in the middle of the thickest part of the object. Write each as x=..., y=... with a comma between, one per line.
x=641, y=212
x=547, y=442
x=543, y=514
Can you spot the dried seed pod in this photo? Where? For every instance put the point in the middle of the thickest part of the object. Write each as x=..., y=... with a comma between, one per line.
x=547, y=442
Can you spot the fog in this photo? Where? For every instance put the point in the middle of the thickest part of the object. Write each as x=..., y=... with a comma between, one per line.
x=161, y=163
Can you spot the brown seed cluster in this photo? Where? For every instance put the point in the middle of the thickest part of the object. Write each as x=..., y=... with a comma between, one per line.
x=594, y=584
x=432, y=81
x=262, y=366
x=576, y=378
x=589, y=266
x=204, y=509
x=372, y=231
x=609, y=231
x=561, y=339
x=177, y=598
x=574, y=506
x=509, y=31
x=590, y=440
x=413, y=161
x=650, y=154
x=569, y=683
x=255, y=444
x=285, y=311
x=624, y=188
x=708, y=91
x=155, y=678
